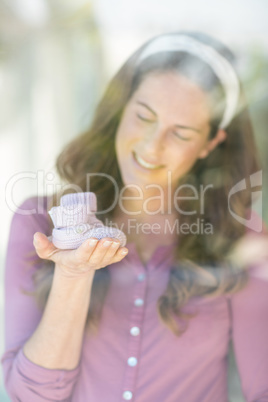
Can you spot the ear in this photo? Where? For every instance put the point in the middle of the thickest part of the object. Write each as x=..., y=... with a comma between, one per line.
x=211, y=144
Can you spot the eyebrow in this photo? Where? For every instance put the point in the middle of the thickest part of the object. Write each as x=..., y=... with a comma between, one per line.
x=176, y=125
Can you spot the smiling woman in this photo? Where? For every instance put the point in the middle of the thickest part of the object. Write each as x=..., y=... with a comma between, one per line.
x=151, y=321
x=165, y=126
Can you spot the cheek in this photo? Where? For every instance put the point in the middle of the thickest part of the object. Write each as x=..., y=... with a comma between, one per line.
x=125, y=137
x=184, y=155
x=125, y=134
x=186, y=149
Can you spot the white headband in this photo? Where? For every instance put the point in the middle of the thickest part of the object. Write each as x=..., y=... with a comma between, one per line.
x=222, y=68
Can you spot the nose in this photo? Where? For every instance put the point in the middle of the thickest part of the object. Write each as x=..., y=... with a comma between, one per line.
x=153, y=140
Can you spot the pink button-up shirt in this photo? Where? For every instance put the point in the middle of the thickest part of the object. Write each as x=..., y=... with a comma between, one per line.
x=134, y=356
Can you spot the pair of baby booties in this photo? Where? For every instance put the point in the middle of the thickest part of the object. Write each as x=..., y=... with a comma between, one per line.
x=75, y=221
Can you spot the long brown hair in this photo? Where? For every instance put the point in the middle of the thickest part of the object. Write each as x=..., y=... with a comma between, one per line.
x=200, y=265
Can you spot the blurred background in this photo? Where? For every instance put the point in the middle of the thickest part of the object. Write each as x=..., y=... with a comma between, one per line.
x=56, y=57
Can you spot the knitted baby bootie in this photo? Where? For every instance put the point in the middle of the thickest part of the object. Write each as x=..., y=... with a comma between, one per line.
x=75, y=221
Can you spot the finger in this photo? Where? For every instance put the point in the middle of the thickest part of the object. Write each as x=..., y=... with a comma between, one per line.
x=117, y=257
x=120, y=254
x=44, y=248
x=100, y=251
x=111, y=249
x=84, y=252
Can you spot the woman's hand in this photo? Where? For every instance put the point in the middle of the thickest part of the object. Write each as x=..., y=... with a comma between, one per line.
x=250, y=249
x=93, y=254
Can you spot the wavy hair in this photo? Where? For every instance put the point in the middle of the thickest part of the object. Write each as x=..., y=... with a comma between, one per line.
x=200, y=265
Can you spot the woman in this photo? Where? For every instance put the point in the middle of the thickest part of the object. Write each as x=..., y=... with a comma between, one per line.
x=150, y=321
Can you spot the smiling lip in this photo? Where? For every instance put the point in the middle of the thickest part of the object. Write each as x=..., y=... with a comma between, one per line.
x=144, y=163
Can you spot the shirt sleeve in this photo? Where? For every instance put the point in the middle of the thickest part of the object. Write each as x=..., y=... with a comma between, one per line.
x=24, y=380
x=249, y=309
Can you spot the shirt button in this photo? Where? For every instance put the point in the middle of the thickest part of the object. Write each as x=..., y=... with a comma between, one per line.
x=132, y=361
x=135, y=331
x=141, y=277
x=138, y=302
x=127, y=395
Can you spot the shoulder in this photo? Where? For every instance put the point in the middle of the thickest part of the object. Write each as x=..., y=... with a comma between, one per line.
x=253, y=252
x=33, y=209
x=21, y=260
x=252, y=299
x=33, y=205
x=30, y=216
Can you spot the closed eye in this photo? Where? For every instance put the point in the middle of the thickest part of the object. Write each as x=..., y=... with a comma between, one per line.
x=180, y=136
x=144, y=118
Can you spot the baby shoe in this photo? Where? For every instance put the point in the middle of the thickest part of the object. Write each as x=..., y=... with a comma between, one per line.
x=75, y=221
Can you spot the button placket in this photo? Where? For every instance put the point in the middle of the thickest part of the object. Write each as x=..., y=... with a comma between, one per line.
x=141, y=277
x=138, y=302
x=127, y=395
x=135, y=333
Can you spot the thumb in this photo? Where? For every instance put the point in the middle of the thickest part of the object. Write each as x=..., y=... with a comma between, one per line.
x=44, y=248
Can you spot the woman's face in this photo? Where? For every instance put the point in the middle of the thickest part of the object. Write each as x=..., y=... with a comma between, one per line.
x=164, y=128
